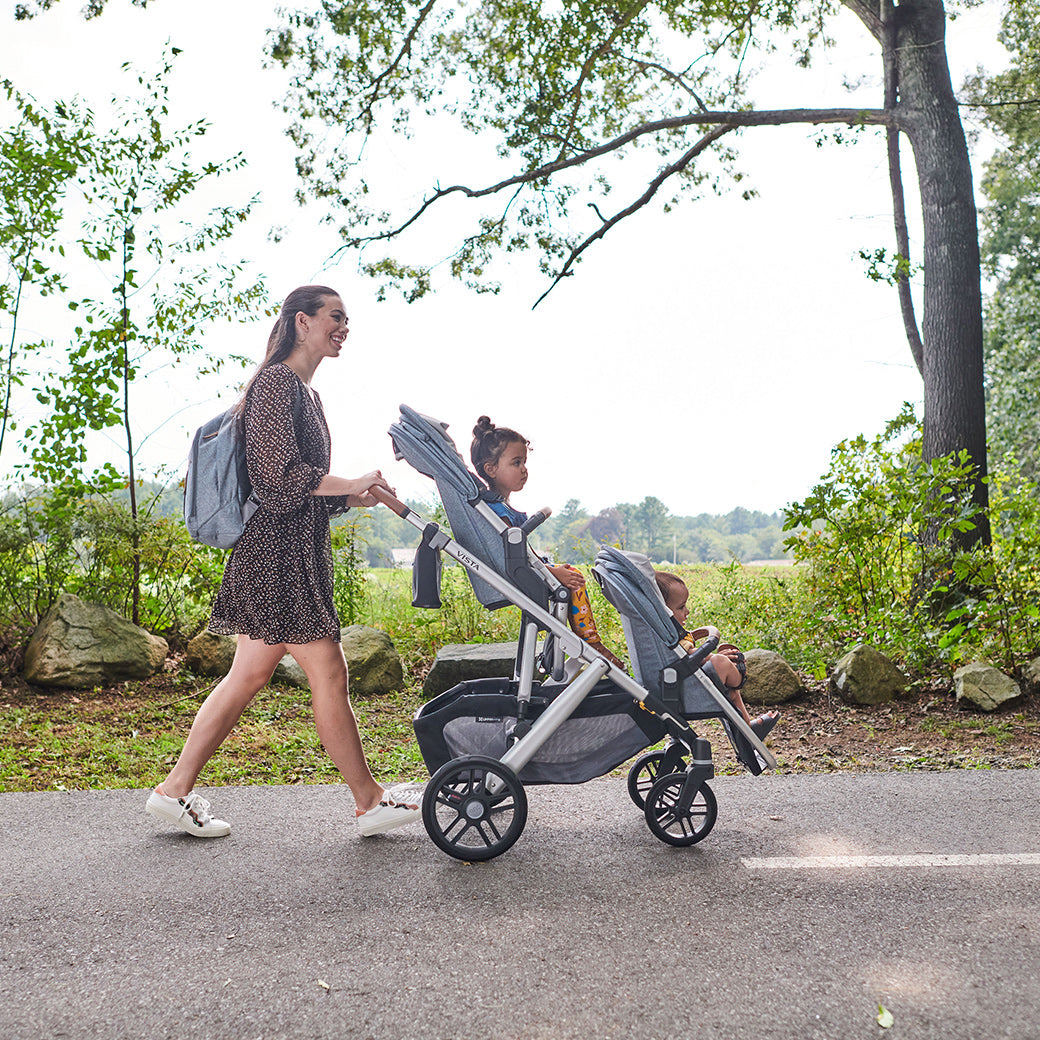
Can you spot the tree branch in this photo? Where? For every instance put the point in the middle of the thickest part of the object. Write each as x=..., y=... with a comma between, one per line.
x=997, y=104
x=623, y=21
x=895, y=178
x=675, y=77
x=676, y=167
x=866, y=13
x=406, y=47
x=779, y=117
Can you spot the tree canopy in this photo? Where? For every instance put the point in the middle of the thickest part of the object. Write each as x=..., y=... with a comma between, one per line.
x=560, y=89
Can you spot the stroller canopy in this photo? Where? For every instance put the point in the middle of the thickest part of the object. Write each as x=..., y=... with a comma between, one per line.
x=627, y=580
x=424, y=444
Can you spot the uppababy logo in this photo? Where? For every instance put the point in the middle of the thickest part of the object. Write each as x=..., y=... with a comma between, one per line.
x=487, y=718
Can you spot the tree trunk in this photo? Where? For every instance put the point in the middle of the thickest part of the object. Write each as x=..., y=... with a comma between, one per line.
x=954, y=400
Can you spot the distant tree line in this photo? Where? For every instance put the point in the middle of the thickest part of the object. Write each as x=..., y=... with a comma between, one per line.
x=573, y=533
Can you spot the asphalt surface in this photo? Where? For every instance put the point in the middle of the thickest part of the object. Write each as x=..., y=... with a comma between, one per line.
x=588, y=927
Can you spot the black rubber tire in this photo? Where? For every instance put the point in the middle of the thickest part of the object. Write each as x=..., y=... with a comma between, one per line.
x=681, y=830
x=463, y=819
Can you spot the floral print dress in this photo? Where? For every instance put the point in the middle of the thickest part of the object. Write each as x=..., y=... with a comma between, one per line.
x=277, y=583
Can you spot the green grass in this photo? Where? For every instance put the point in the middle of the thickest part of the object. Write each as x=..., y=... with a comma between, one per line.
x=130, y=737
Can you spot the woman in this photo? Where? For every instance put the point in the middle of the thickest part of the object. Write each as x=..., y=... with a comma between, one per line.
x=276, y=592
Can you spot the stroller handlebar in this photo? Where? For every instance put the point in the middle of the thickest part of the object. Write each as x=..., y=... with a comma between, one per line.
x=390, y=501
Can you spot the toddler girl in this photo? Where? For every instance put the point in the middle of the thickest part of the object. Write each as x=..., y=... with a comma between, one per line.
x=499, y=456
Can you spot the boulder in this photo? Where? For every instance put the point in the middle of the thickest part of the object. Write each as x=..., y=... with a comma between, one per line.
x=373, y=661
x=210, y=654
x=288, y=673
x=80, y=645
x=770, y=679
x=375, y=666
x=1031, y=672
x=865, y=676
x=457, y=662
x=984, y=686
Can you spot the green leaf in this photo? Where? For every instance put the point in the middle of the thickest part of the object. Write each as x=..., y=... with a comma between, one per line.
x=885, y=1018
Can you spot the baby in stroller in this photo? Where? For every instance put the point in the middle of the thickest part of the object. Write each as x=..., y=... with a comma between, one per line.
x=727, y=662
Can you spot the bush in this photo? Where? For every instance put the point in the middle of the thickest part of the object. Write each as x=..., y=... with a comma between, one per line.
x=50, y=544
x=879, y=538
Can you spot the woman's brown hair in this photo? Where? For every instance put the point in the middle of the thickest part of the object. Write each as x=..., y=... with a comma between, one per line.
x=282, y=341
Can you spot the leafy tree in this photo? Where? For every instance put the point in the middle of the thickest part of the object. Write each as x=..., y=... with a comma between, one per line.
x=652, y=519
x=564, y=88
x=40, y=153
x=1009, y=103
x=607, y=527
x=137, y=177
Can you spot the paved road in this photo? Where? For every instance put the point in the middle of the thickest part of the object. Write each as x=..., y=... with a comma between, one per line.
x=588, y=928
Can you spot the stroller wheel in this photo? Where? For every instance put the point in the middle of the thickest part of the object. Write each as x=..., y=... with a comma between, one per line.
x=671, y=824
x=474, y=808
x=644, y=773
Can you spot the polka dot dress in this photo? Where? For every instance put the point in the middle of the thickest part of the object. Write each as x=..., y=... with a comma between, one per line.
x=277, y=583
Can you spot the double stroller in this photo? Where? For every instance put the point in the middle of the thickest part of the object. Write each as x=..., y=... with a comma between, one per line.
x=567, y=714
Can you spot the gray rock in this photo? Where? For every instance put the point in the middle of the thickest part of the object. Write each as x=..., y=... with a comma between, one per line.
x=375, y=666
x=1031, y=672
x=373, y=661
x=457, y=662
x=210, y=654
x=984, y=686
x=770, y=679
x=866, y=676
x=289, y=673
x=80, y=645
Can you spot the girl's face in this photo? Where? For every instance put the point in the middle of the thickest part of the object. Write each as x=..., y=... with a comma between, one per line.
x=676, y=603
x=326, y=331
x=509, y=474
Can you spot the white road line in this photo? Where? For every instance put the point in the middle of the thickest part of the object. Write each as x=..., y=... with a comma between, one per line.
x=1005, y=859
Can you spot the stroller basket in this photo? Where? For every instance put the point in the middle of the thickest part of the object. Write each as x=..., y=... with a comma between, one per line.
x=478, y=717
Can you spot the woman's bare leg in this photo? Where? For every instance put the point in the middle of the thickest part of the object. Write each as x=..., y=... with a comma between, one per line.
x=326, y=671
x=252, y=668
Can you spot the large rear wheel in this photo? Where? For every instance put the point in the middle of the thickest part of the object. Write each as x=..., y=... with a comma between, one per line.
x=474, y=808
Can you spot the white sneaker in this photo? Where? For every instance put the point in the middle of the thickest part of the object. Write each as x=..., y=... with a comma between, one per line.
x=399, y=806
x=190, y=813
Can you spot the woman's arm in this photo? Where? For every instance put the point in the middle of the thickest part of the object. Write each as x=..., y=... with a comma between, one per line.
x=355, y=490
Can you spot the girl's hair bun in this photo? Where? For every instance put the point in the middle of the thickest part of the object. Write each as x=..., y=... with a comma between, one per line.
x=484, y=427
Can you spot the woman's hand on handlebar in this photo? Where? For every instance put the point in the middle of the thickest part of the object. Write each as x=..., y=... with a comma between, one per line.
x=364, y=485
x=358, y=490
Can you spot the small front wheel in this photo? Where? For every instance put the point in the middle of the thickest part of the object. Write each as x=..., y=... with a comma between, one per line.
x=474, y=808
x=671, y=824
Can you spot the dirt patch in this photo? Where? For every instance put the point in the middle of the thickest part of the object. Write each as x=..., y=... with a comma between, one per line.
x=818, y=733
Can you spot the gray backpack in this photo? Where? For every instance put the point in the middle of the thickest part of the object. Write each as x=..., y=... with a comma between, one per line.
x=218, y=498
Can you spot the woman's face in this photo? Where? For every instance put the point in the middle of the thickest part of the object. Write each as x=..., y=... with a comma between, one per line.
x=509, y=474
x=326, y=331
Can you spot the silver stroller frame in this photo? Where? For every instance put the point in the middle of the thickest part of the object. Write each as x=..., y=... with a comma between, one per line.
x=474, y=806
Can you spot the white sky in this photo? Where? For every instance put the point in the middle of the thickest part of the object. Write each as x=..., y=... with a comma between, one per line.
x=711, y=357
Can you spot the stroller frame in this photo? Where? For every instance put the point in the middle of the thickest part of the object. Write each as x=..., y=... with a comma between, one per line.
x=474, y=806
